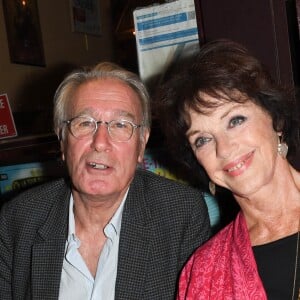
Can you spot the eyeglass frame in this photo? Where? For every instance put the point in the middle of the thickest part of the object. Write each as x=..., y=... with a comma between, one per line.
x=134, y=126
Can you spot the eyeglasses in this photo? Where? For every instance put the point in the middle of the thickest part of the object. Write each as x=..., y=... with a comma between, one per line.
x=118, y=130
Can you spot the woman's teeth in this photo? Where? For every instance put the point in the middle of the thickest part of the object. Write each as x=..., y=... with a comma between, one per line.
x=238, y=166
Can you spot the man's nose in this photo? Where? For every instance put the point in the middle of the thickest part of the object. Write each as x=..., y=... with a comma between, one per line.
x=101, y=138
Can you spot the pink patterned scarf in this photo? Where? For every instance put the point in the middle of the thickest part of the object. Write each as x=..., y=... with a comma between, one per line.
x=223, y=268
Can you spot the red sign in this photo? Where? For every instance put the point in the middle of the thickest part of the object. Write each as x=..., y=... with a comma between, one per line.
x=7, y=124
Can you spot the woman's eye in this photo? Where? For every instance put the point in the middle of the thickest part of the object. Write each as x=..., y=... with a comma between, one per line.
x=201, y=141
x=236, y=121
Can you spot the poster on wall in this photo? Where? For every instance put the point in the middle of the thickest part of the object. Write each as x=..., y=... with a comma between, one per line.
x=7, y=124
x=85, y=16
x=23, y=32
x=164, y=34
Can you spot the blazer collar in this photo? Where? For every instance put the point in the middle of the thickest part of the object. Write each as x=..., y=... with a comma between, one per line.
x=49, y=247
x=134, y=250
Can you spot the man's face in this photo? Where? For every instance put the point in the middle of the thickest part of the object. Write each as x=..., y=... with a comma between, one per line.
x=100, y=167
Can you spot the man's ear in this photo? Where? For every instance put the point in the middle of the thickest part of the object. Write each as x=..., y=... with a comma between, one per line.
x=62, y=149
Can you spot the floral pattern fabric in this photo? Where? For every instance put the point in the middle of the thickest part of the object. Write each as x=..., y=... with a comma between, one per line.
x=224, y=268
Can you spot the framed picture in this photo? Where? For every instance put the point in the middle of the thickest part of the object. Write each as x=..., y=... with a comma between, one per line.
x=23, y=32
x=85, y=16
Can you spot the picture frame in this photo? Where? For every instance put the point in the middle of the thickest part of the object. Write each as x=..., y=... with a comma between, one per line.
x=85, y=16
x=24, y=32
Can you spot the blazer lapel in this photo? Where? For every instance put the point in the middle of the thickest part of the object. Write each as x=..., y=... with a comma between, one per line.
x=48, y=251
x=47, y=258
x=134, y=248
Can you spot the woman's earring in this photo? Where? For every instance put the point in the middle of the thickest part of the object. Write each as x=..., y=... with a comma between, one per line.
x=282, y=147
x=212, y=188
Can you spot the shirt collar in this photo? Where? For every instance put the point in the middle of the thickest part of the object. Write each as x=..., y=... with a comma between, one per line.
x=115, y=220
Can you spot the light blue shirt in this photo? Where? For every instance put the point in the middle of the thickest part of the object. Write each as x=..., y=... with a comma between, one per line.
x=77, y=283
x=213, y=210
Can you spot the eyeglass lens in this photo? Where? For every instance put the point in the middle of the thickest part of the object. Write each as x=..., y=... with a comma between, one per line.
x=119, y=130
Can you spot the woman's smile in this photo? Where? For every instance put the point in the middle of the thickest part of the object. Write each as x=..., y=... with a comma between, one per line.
x=237, y=167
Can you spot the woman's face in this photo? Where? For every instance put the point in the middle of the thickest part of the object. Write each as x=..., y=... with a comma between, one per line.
x=236, y=144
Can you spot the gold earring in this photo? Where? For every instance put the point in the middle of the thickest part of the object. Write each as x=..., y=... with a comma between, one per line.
x=282, y=147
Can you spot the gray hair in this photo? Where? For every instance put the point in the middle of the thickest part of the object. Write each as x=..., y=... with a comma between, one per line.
x=64, y=93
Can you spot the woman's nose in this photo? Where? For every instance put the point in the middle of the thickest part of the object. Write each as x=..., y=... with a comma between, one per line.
x=224, y=147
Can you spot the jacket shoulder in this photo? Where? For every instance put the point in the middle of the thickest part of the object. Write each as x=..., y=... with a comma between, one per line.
x=159, y=183
x=36, y=202
x=166, y=195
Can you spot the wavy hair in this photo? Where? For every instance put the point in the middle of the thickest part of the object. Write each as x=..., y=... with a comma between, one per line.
x=221, y=69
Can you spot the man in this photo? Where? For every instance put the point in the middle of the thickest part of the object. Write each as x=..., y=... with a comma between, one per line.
x=111, y=231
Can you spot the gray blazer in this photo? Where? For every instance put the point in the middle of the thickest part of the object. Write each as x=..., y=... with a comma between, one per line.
x=162, y=223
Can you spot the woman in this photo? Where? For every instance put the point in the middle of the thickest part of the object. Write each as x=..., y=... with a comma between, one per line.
x=225, y=115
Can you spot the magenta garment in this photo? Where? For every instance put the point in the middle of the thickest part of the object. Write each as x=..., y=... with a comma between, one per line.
x=223, y=268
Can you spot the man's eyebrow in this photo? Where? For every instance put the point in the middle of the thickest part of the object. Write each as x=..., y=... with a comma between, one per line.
x=117, y=113
x=123, y=113
x=86, y=111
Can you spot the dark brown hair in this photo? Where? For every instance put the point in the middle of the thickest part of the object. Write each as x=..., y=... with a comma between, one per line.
x=220, y=69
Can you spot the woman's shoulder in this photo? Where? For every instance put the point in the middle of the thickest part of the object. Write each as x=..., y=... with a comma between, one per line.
x=216, y=244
